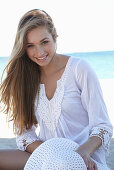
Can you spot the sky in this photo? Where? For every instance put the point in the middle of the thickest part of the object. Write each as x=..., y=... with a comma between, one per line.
x=82, y=25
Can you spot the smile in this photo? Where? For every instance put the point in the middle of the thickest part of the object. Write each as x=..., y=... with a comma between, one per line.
x=43, y=58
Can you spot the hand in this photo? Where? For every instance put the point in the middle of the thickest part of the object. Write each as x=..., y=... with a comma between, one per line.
x=90, y=164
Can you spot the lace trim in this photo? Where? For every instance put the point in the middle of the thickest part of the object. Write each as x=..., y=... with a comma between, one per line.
x=49, y=111
x=26, y=139
x=103, y=134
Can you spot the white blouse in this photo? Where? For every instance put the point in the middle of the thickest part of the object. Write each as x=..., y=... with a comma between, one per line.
x=76, y=111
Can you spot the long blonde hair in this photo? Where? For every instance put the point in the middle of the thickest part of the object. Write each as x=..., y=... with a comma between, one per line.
x=19, y=88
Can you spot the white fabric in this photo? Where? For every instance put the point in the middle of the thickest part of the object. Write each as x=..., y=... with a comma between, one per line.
x=57, y=154
x=76, y=111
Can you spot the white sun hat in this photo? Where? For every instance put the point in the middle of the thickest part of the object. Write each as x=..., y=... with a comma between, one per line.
x=56, y=154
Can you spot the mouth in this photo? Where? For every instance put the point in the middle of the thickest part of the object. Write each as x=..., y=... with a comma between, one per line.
x=42, y=58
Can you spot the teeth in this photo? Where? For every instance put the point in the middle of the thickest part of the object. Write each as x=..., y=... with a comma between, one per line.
x=42, y=58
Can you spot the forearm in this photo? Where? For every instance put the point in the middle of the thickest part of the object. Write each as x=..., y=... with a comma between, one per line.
x=90, y=146
x=30, y=148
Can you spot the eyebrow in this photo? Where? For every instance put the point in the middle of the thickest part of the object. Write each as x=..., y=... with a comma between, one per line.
x=40, y=41
x=44, y=39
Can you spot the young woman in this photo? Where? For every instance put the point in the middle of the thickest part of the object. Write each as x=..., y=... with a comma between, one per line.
x=58, y=94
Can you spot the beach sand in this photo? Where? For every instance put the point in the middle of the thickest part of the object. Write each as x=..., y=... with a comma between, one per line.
x=7, y=138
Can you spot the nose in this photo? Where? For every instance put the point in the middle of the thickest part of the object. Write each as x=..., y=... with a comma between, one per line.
x=39, y=51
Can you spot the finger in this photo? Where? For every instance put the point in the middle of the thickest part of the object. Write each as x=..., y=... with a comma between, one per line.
x=86, y=163
x=95, y=167
x=90, y=167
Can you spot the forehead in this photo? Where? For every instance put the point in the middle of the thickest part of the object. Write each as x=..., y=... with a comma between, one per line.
x=38, y=34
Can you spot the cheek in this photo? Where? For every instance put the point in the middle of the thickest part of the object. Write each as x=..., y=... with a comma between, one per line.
x=29, y=53
x=52, y=47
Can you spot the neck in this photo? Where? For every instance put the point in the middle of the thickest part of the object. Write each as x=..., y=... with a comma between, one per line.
x=51, y=67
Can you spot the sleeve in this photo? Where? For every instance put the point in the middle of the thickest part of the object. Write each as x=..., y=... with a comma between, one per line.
x=25, y=139
x=93, y=102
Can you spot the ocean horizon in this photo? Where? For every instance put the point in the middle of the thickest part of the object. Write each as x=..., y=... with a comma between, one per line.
x=101, y=61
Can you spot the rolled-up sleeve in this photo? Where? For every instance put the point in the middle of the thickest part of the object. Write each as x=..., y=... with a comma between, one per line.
x=93, y=103
x=26, y=138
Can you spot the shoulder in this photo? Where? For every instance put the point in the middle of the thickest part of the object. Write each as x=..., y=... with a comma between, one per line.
x=85, y=68
x=80, y=65
x=82, y=69
x=77, y=64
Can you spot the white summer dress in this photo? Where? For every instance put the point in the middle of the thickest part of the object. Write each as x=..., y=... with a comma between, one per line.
x=76, y=112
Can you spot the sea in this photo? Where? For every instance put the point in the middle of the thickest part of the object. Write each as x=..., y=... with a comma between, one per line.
x=102, y=62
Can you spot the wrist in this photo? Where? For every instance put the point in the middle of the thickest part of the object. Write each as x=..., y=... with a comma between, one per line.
x=83, y=151
x=30, y=148
x=90, y=146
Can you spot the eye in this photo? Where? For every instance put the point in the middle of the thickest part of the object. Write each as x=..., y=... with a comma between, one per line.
x=29, y=46
x=45, y=42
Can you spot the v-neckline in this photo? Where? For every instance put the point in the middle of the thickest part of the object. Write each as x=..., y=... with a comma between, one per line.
x=58, y=81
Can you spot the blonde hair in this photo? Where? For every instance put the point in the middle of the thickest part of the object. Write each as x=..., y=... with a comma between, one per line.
x=19, y=88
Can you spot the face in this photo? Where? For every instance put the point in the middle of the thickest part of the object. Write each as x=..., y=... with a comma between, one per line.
x=40, y=46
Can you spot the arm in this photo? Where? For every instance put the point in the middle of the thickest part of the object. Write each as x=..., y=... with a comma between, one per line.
x=93, y=102
x=100, y=128
x=28, y=141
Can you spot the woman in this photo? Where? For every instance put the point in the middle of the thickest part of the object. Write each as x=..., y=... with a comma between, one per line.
x=56, y=93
